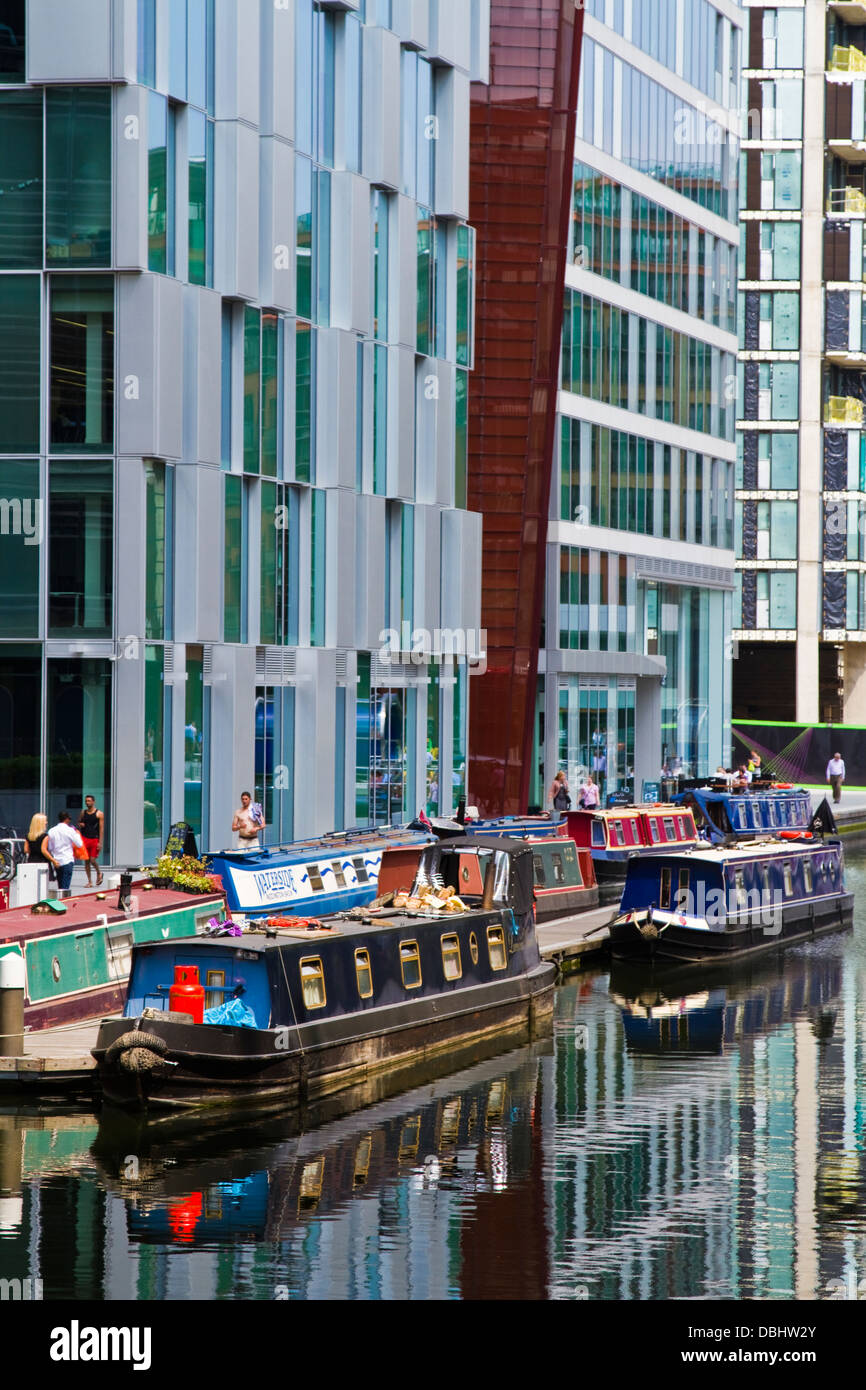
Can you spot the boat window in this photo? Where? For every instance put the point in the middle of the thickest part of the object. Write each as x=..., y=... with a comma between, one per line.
x=665, y=895
x=598, y=833
x=496, y=948
x=670, y=831
x=410, y=964
x=739, y=810
x=473, y=947
x=360, y=871
x=617, y=832
x=740, y=883
x=807, y=874
x=451, y=963
x=315, y=878
x=655, y=829
x=311, y=1184
x=364, y=973
x=339, y=876
x=313, y=983
x=538, y=865
x=774, y=813
x=119, y=954
x=765, y=878
x=558, y=870
x=789, y=879
x=683, y=891
x=214, y=991
x=362, y=1160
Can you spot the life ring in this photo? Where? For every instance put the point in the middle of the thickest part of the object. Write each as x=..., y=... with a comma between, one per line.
x=795, y=835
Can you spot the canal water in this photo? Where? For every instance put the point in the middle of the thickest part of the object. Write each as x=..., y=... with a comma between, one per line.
x=699, y=1137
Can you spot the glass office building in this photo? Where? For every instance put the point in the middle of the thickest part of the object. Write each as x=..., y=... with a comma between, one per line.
x=800, y=613
x=636, y=659
x=236, y=336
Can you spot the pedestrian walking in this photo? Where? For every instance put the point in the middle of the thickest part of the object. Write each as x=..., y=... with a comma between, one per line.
x=59, y=849
x=91, y=825
x=836, y=776
x=248, y=821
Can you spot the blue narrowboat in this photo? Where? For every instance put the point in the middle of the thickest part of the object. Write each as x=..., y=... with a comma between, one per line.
x=724, y=901
x=328, y=1005
x=314, y=877
x=768, y=810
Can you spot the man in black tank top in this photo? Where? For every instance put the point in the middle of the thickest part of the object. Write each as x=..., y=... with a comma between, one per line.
x=91, y=825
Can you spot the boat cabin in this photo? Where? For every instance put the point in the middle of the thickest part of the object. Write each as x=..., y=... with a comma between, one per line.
x=746, y=813
x=628, y=829
x=315, y=877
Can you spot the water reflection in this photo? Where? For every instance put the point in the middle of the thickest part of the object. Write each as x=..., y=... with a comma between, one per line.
x=682, y=1136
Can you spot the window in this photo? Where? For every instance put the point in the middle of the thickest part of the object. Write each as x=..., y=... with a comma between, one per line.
x=665, y=893
x=304, y=403
x=558, y=869
x=617, y=834
x=20, y=177
x=410, y=964
x=160, y=185
x=12, y=44
x=381, y=207
x=214, y=991
x=78, y=176
x=158, y=517
x=538, y=866
x=252, y=388
x=807, y=874
x=598, y=834
x=313, y=983
x=339, y=876
x=234, y=593
x=360, y=871
x=21, y=535
x=740, y=888
x=200, y=143
x=655, y=830
x=82, y=364
x=80, y=547
x=315, y=878
x=451, y=964
x=364, y=973
x=19, y=364
x=119, y=954
x=788, y=877
x=670, y=831
x=473, y=948
x=496, y=948
x=682, y=903
x=318, y=553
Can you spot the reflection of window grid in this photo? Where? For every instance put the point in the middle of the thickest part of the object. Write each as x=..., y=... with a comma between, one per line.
x=451, y=963
x=496, y=1101
x=362, y=1160
x=450, y=1123
x=313, y=983
x=311, y=1184
x=410, y=1137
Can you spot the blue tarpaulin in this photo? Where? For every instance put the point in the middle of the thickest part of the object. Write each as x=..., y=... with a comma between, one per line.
x=233, y=1013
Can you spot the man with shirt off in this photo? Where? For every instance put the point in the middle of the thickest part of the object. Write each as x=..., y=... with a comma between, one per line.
x=836, y=776
x=59, y=848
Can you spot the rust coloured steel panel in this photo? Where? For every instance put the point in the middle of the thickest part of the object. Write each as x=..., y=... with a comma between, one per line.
x=522, y=156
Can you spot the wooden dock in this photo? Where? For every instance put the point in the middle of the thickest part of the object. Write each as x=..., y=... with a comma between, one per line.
x=56, y=1062
x=572, y=942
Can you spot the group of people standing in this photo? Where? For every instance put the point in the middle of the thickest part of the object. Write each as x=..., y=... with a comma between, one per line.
x=559, y=795
x=56, y=846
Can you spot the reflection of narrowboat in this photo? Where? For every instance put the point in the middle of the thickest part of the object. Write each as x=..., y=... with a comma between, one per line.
x=745, y=813
x=674, y=1011
x=615, y=836
x=331, y=1006
x=331, y=874
x=77, y=963
x=264, y=1179
x=718, y=902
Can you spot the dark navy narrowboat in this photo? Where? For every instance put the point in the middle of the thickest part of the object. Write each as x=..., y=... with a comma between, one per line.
x=615, y=836
x=745, y=813
x=723, y=901
x=332, y=874
x=331, y=1006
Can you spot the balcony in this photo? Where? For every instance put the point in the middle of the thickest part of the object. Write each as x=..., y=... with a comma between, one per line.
x=846, y=61
x=846, y=202
x=843, y=410
x=851, y=11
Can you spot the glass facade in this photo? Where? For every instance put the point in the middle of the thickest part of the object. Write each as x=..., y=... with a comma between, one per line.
x=81, y=329
x=77, y=177
x=21, y=178
x=20, y=345
x=80, y=547
x=21, y=536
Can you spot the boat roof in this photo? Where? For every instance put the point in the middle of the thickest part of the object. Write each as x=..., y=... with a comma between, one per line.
x=726, y=793
x=755, y=849
x=85, y=910
x=350, y=842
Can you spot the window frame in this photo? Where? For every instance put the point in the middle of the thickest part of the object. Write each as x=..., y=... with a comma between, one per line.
x=320, y=976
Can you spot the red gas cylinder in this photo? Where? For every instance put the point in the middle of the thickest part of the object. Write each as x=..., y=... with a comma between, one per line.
x=186, y=995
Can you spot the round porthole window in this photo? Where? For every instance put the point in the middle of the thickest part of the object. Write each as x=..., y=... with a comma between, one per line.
x=55, y=969
x=473, y=948
x=464, y=872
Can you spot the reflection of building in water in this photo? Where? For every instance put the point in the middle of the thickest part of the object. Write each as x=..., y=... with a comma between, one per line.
x=677, y=1174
